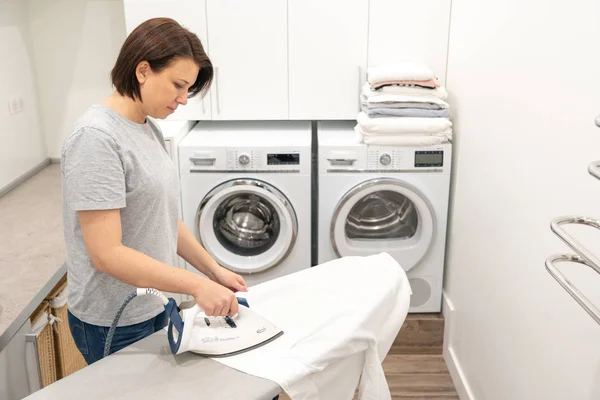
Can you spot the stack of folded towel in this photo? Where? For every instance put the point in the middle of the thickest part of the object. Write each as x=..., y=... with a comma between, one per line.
x=403, y=104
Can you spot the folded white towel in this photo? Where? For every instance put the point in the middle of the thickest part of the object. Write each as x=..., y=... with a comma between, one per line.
x=405, y=98
x=399, y=71
x=403, y=140
x=413, y=140
x=410, y=125
x=439, y=92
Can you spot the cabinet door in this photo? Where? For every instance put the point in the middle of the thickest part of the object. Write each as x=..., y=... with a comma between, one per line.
x=248, y=43
x=19, y=376
x=328, y=57
x=192, y=15
x=410, y=30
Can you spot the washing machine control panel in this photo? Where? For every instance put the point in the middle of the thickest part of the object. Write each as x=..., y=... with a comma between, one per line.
x=285, y=160
x=407, y=158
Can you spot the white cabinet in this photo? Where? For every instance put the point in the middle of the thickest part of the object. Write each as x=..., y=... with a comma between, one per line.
x=410, y=30
x=19, y=376
x=300, y=59
x=248, y=47
x=192, y=15
x=327, y=56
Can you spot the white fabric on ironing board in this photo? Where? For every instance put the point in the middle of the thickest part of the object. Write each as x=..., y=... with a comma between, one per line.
x=338, y=317
x=399, y=71
x=394, y=125
x=439, y=92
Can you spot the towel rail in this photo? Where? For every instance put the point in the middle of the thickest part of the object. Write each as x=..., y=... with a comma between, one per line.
x=594, y=169
x=583, y=301
x=584, y=256
x=588, y=256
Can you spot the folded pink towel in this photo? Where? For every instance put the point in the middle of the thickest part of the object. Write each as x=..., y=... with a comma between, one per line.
x=431, y=83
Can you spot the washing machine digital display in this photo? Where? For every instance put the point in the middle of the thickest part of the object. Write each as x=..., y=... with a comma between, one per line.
x=283, y=159
x=429, y=158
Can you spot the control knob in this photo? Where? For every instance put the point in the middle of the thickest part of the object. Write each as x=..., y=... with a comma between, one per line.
x=244, y=159
x=385, y=159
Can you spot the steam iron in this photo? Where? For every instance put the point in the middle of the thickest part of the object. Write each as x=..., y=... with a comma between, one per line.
x=190, y=329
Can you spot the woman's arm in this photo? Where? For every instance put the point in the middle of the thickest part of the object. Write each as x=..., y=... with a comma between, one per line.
x=103, y=239
x=193, y=252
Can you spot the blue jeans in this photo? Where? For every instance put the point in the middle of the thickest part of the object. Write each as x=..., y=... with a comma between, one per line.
x=90, y=339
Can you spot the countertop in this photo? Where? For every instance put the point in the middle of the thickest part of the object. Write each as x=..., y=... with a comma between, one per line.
x=32, y=249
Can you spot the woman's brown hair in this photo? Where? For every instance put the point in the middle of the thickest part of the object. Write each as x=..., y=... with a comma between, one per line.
x=159, y=41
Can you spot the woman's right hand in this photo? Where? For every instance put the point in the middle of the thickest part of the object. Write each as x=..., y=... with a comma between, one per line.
x=215, y=300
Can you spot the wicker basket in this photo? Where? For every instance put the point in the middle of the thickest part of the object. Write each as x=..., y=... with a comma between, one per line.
x=40, y=321
x=68, y=356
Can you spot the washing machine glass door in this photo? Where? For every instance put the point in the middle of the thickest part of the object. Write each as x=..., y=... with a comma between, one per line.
x=384, y=215
x=246, y=225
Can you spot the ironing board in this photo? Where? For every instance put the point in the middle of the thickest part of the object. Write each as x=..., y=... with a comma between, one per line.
x=148, y=370
x=340, y=320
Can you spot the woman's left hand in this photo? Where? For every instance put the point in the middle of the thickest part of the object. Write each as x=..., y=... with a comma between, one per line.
x=229, y=279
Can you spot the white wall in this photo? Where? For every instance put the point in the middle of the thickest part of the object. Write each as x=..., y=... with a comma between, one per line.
x=75, y=44
x=523, y=78
x=21, y=140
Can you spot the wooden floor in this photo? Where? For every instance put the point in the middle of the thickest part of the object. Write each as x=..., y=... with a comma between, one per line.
x=416, y=377
x=414, y=367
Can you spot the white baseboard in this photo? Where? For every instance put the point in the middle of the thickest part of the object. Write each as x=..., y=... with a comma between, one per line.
x=456, y=372
x=21, y=179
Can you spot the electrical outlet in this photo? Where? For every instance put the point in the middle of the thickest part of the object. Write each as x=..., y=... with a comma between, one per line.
x=15, y=105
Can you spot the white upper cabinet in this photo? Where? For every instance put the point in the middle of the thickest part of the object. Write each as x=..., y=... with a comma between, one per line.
x=328, y=57
x=410, y=30
x=248, y=43
x=300, y=59
x=192, y=15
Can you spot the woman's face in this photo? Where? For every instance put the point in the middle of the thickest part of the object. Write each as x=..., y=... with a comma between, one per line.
x=162, y=92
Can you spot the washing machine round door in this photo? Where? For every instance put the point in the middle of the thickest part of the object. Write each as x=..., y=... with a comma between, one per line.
x=384, y=215
x=246, y=225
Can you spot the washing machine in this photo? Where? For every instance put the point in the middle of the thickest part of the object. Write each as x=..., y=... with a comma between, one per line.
x=246, y=194
x=390, y=199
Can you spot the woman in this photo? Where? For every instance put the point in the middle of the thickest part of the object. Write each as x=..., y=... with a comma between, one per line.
x=121, y=197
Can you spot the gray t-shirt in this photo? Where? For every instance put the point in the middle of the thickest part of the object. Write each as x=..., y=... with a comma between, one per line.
x=110, y=162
